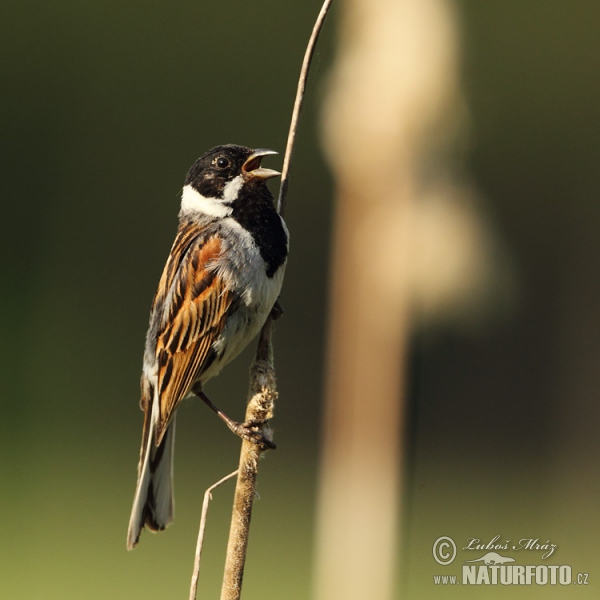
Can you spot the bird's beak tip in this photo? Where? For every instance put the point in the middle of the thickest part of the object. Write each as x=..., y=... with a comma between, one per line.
x=252, y=166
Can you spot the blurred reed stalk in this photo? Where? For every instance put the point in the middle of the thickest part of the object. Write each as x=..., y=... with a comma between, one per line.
x=385, y=117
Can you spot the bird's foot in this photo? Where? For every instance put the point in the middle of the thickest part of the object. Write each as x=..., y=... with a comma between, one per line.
x=253, y=431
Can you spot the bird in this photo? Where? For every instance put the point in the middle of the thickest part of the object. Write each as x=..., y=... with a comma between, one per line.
x=220, y=283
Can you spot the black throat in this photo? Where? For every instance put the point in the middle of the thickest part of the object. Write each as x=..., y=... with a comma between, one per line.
x=253, y=209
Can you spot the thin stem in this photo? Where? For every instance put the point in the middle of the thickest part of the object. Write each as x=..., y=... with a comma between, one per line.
x=200, y=543
x=289, y=149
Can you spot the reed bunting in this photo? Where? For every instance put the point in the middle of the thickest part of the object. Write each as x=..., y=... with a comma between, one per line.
x=220, y=283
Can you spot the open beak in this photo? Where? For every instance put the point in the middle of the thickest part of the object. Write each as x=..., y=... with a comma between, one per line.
x=252, y=169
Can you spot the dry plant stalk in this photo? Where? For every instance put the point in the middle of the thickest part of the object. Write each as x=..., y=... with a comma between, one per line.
x=200, y=543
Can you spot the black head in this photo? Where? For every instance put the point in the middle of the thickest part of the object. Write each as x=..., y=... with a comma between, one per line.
x=221, y=165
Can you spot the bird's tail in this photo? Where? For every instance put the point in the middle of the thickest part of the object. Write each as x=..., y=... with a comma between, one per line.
x=153, y=501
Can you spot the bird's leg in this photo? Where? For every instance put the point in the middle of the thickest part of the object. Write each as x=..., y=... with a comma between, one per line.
x=277, y=310
x=250, y=430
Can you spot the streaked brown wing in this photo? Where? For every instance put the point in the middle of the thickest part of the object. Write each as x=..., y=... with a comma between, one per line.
x=193, y=302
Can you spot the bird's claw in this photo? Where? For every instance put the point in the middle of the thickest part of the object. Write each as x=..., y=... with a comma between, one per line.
x=252, y=431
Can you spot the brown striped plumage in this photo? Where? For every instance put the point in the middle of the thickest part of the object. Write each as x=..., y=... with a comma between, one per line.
x=194, y=302
x=219, y=284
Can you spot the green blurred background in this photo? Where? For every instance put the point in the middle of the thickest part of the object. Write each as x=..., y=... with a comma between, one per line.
x=104, y=106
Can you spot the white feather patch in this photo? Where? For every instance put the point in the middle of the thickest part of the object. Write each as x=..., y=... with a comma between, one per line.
x=193, y=201
x=231, y=189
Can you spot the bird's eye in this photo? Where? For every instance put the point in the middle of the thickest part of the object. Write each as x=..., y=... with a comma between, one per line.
x=222, y=162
